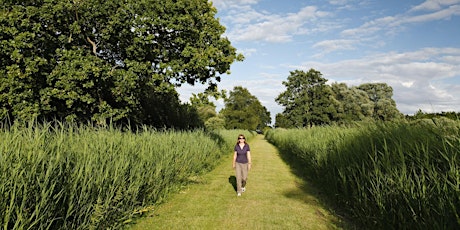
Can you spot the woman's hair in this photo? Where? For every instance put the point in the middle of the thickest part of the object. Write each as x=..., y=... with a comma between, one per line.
x=238, y=140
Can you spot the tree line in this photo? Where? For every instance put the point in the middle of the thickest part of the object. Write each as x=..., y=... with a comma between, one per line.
x=425, y=115
x=120, y=62
x=309, y=101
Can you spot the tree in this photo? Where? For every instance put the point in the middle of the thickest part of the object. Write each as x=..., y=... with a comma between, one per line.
x=380, y=95
x=244, y=111
x=214, y=123
x=354, y=103
x=282, y=122
x=206, y=109
x=99, y=60
x=307, y=100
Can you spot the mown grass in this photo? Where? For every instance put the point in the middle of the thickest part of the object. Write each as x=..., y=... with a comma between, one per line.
x=385, y=176
x=79, y=177
x=275, y=199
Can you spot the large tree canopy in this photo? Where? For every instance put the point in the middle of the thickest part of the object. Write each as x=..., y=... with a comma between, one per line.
x=92, y=59
x=244, y=111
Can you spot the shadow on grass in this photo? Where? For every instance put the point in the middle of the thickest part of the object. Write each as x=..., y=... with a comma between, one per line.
x=315, y=195
x=232, y=181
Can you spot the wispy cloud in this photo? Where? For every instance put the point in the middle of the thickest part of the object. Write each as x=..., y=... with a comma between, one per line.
x=328, y=46
x=434, y=5
x=247, y=52
x=441, y=14
x=338, y=2
x=439, y=10
x=226, y=4
x=347, y=4
x=248, y=24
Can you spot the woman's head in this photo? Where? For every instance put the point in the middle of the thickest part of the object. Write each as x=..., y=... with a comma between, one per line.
x=241, y=139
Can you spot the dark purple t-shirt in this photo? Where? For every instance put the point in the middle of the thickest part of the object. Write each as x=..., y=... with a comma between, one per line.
x=241, y=153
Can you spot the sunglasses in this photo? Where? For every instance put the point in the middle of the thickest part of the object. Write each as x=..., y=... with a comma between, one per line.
x=240, y=138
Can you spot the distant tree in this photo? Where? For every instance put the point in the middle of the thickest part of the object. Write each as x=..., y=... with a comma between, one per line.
x=355, y=104
x=99, y=60
x=380, y=95
x=205, y=108
x=424, y=115
x=308, y=100
x=244, y=111
x=264, y=116
x=214, y=123
x=282, y=122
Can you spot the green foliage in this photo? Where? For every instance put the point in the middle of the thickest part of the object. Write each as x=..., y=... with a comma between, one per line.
x=307, y=100
x=283, y=122
x=206, y=109
x=380, y=95
x=244, y=111
x=75, y=177
x=165, y=111
x=214, y=123
x=355, y=105
x=385, y=176
x=423, y=115
x=106, y=60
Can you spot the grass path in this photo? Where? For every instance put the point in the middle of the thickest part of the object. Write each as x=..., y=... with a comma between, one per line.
x=275, y=199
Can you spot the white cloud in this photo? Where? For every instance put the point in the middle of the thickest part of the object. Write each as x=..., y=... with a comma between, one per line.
x=390, y=25
x=438, y=15
x=328, y=46
x=433, y=5
x=338, y=2
x=225, y=4
x=250, y=25
x=247, y=52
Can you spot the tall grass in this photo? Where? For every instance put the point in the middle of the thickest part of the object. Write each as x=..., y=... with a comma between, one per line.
x=75, y=177
x=386, y=176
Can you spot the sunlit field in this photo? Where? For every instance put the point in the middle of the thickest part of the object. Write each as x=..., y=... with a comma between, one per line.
x=78, y=177
x=386, y=176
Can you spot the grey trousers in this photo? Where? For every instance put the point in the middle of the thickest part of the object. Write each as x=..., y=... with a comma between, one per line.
x=241, y=171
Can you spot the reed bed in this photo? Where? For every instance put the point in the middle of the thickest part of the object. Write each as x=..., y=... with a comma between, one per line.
x=385, y=176
x=79, y=177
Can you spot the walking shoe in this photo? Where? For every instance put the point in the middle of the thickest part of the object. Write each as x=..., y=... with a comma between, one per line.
x=243, y=189
x=239, y=194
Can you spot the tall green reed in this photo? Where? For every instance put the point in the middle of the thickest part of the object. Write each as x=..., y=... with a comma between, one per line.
x=389, y=176
x=80, y=177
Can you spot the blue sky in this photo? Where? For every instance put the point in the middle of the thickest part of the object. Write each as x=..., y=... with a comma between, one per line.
x=412, y=45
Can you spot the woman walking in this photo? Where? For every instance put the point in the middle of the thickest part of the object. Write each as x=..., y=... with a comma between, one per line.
x=241, y=163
